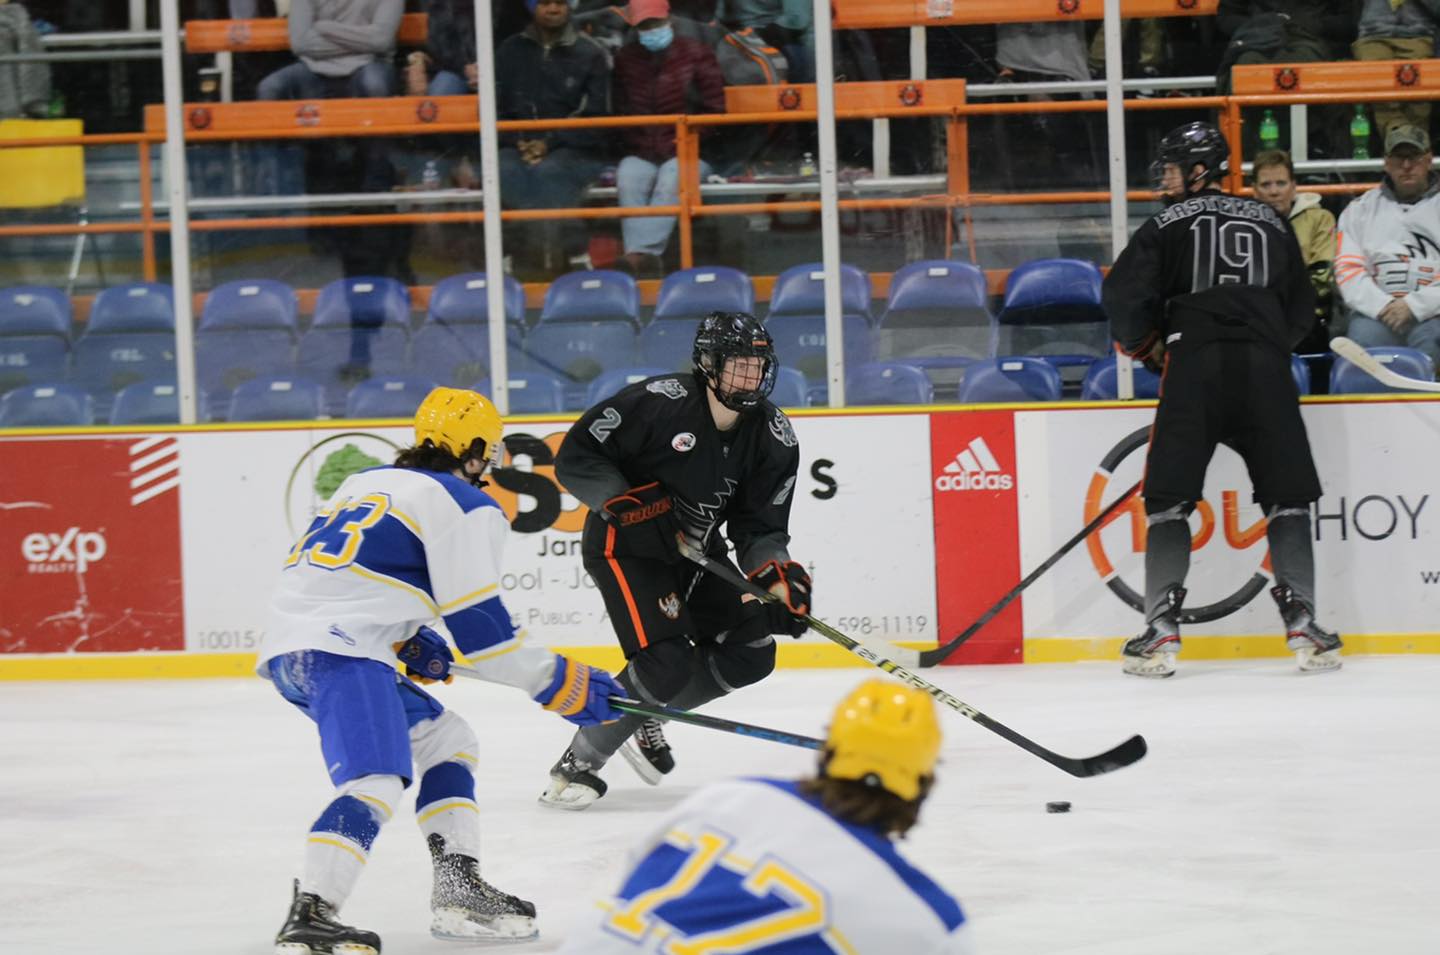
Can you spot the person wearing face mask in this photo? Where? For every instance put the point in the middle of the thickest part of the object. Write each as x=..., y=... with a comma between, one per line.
x=656, y=73
x=1314, y=226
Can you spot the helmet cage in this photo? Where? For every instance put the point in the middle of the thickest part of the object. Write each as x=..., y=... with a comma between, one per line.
x=726, y=335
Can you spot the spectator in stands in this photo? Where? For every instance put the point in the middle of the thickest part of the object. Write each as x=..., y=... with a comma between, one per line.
x=657, y=73
x=550, y=71
x=24, y=87
x=446, y=67
x=1282, y=31
x=1389, y=250
x=1398, y=30
x=1058, y=149
x=1152, y=47
x=345, y=48
x=1274, y=182
x=786, y=25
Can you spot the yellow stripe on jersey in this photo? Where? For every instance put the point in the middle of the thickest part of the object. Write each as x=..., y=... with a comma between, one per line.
x=419, y=594
x=472, y=597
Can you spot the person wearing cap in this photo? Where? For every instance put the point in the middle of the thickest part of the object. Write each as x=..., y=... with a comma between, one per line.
x=549, y=70
x=658, y=72
x=1273, y=178
x=1388, y=251
x=808, y=865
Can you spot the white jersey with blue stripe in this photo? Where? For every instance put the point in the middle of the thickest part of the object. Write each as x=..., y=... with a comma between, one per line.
x=754, y=865
x=392, y=549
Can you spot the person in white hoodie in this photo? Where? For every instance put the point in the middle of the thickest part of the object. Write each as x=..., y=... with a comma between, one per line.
x=1389, y=251
x=1273, y=178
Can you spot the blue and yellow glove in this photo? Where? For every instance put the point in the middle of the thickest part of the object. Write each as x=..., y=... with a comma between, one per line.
x=581, y=693
x=427, y=657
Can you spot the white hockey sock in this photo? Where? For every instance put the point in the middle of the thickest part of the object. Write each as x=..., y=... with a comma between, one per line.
x=340, y=840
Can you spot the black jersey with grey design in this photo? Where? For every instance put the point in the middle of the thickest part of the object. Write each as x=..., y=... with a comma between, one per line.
x=1209, y=267
x=661, y=430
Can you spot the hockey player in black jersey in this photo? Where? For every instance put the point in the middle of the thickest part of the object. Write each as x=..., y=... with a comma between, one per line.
x=681, y=455
x=1212, y=293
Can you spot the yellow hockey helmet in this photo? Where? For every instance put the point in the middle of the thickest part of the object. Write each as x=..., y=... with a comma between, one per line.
x=453, y=419
x=885, y=734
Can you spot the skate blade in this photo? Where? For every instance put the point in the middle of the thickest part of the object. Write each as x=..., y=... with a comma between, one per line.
x=570, y=796
x=1312, y=662
x=455, y=925
x=1157, y=667
x=640, y=764
x=344, y=948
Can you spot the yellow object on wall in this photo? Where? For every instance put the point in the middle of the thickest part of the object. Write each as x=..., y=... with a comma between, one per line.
x=45, y=175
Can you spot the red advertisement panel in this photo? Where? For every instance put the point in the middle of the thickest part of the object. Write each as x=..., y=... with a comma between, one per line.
x=90, y=545
x=977, y=554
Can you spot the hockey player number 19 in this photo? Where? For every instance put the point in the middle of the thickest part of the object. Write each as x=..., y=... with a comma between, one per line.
x=803, y=915
x=334, y=544
x=1235, y=253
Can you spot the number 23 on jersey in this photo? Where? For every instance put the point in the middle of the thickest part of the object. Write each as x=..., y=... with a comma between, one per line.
x=334, y=543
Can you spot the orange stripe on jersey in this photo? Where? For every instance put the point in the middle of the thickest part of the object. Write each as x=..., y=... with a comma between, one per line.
x=624, y=586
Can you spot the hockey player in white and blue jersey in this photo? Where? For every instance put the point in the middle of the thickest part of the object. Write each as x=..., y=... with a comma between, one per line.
x=393, y=549
x=797, y=866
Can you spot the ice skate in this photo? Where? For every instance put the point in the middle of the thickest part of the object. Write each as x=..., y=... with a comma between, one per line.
x=466, y=908
x=1152, y=654
x=1316, y=649
x=648, y=753
x=312, y=929
x=572, y=785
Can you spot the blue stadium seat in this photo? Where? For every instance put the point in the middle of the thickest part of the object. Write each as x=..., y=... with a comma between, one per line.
x=1100, y=382
x=1300, y=369
x=365, y=301
x=46, y=406
x=800, y=290
x=32, y=359
x=150, y=402
x=888, y=383
x=695, y=293
x=340, y=358
x=34, y=310
x=388, y=396
x=792, y=389
x=251, y=304
x=277, y=398
x=137, y=307
x=227, y=356
x=34, y=335
x=578, y=352
x=601, y=295
x=531, y=392
x=1016, y=378
x=456, y=353
x=937, y=317
x=464, y=300
x=104, y=363
x=1346, y=379
x=612, y=381
x=1052, y=310
x=800, y=343
x=669, y=344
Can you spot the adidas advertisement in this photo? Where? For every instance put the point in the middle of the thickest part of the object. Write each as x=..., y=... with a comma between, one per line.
x=974, y=469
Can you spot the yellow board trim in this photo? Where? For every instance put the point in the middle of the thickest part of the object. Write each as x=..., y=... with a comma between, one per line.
x=189, y=666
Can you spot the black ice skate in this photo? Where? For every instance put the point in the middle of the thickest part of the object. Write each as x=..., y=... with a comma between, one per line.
x=648, y=753
x=311, y=929
x=464, y=907
x=1152, y=654
x=1316, y=649
x=572, y=784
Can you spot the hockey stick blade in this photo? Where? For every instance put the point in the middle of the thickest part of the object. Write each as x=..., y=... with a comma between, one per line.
x=1130, y=751
x=1356, y=354
x=929, y=658
x=695, y=719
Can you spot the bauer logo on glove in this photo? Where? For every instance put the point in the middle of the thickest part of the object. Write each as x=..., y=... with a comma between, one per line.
x=788, y=581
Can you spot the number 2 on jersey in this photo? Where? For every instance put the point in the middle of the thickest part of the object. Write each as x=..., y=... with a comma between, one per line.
x=335, y=543
x=804, y=912
x=1229, y=253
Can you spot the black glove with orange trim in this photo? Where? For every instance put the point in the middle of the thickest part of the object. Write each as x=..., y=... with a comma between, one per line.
x=643, y=524
x=791, y=584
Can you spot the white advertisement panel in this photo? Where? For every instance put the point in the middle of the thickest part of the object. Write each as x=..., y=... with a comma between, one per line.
x=1376, y=526
x=860, y=521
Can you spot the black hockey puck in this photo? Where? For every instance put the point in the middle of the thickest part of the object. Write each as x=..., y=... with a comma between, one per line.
x=1060, y=806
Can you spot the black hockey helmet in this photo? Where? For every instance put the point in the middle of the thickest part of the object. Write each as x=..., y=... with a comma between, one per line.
x=725, y=335
x=1191, y=145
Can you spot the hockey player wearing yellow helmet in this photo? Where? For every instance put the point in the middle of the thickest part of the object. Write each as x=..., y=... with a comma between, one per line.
x=394, y=549
x=767, y=865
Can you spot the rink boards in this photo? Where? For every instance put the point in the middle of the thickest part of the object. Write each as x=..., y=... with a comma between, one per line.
x=152, y=552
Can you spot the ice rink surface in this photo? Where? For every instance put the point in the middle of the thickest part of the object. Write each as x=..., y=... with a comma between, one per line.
x=1276, y=813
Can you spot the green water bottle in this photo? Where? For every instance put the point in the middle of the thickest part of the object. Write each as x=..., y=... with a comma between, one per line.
x=1269, y=131
x=1360, y=134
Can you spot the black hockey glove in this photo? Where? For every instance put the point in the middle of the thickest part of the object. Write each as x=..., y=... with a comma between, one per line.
x=645, y=524
x=791, y=584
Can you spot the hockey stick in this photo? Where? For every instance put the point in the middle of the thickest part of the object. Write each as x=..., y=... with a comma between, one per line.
x=1356, y=354
x=929, y=658
x=1121, y=756
x=695, y=719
